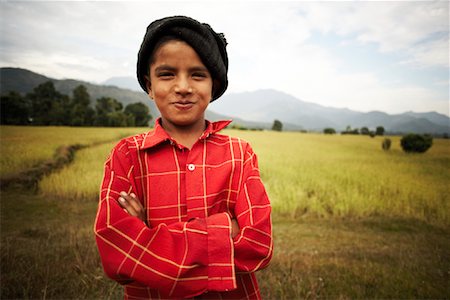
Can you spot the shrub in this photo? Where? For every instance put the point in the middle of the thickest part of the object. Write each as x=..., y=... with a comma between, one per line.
x=238, y=127
x=418, y=143
x=349, y=130
x=329, y=131
x=364, y=131
x=277, y=125
x=386, y=144
x=379, y=130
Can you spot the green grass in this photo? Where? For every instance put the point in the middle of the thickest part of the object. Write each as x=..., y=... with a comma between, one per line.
x=350, y=220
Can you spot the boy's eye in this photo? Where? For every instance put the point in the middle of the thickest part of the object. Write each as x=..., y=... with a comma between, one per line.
x=199, y=75
x=165, y=74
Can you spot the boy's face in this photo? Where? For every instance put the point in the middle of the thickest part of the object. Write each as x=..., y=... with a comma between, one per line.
x=180, y=85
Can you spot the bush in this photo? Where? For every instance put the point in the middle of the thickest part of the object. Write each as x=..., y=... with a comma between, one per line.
x=379, y=130
x=364, y=131
x=418, y=143
x=386, y=144
x=329, y=131
x=238, y=127
x=277, y=125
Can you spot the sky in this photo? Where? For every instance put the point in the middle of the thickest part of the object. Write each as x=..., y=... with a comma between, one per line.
x=390, y=56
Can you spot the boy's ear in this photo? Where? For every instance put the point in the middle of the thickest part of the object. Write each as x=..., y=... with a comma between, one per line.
x=149, y=86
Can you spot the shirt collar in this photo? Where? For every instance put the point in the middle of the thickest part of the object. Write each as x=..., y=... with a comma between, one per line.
x=159, y=135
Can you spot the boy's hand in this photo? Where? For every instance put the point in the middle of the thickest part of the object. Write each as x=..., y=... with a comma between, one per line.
x=130, y=203
x=234, y=228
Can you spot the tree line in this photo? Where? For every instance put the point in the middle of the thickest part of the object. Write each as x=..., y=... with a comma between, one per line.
x=46, y=106
x=363, y=131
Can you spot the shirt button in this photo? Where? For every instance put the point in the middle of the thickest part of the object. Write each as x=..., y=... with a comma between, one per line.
x=191, y=167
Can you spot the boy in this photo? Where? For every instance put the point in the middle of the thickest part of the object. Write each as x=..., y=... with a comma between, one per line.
x=182, y=211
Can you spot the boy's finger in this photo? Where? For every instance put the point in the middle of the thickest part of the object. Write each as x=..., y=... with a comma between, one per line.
x=125, y=204
x=133, y=201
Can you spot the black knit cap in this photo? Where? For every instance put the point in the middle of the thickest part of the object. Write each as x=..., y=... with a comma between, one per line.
x=209, y=45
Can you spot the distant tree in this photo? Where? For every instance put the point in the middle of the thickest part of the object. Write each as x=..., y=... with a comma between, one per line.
x=364, y=131
x=119, y=119
x=89, y=117
x=81, y=113
x=277, y=125
x=15, y=109
x=379, y=130
x=329, y=131
x=140, y=113
x=386, y=144
x=349, y=130
x=81, y=96
x=60, y=112
x=109, y=113
x=48, y=107
x=106, y=105
x=238, y=127
x=418, y=143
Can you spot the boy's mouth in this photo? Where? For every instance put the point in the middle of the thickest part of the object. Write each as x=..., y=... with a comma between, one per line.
x=183, y=105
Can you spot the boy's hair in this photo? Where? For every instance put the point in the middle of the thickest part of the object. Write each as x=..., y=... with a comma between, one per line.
x=209, y=45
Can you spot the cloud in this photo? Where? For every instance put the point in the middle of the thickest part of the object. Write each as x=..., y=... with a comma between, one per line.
x=271, y=45
x=292, y=62
x=432, y=53
x=392, y=26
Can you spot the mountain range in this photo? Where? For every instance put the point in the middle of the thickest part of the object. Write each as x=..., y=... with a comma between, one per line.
x=256, y=109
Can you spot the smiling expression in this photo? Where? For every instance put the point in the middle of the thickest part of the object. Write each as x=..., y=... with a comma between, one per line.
x=180, y=85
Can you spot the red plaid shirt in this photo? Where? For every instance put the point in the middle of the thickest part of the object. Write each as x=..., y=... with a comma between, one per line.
x=190, y=196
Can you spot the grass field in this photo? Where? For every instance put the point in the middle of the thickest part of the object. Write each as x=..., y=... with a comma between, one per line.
x=350, y=220
x=23, y=147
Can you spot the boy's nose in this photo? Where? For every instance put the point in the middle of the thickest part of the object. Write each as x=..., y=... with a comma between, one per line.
x=183, y=87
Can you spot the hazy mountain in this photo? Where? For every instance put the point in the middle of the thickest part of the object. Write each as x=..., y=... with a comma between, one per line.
x=432, y=117
x=24, y=81
x=130, y=83
x=256, y=109
x=268, y=105
x=19, y=80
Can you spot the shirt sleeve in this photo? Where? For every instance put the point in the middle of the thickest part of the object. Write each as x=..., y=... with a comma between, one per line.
x=253, y=246
x=183, y=259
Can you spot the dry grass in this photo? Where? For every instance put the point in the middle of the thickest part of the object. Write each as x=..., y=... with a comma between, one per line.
x=317, y=175
x=374, y=258
x=352, y=177
x=22, y=147
x=80, y=180
x=48, y=252
x=350, y=221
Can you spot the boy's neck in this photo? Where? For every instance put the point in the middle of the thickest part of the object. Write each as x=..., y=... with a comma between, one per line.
x=185, y=135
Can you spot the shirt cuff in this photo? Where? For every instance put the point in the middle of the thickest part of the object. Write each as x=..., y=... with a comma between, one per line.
x=221, y=274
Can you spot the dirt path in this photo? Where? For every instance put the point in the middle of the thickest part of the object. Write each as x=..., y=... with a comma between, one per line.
x=29, y=179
